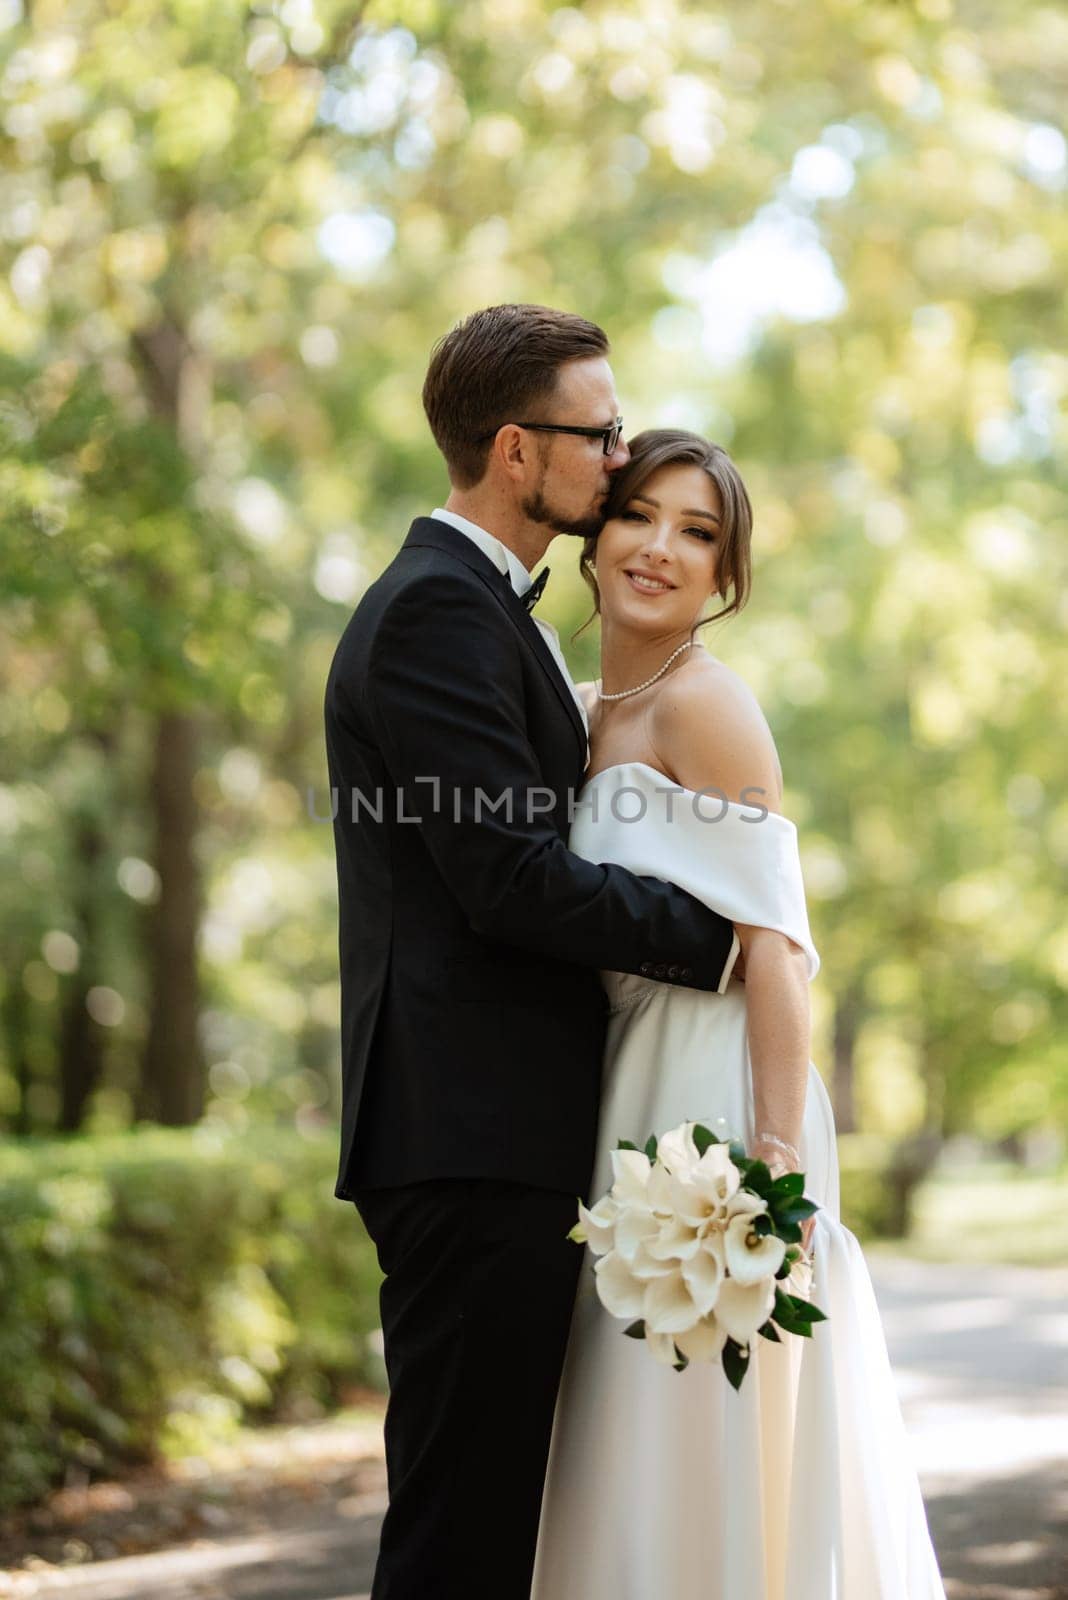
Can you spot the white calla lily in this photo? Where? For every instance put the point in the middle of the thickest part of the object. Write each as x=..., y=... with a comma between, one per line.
x=661, y=1347
x=660, y=1191
x=742, y=1308
x=717, y=1171
x=647, y=1266
x=596, y=1227
x=704, y=1341
x=751, y=1255
x=703, y=1196
x=620, y=1292
x=688, y=1204
x=635, y=1226
x=630, y=1169
x=675, y=1240
x=677, y=1151
x=668, y=1306
x=704, y=1273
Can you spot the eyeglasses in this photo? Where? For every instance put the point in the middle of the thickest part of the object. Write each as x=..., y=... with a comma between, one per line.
x=609, y=436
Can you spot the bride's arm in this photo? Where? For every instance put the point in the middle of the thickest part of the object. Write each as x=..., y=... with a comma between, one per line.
x=779, y=1027
x=710, y=733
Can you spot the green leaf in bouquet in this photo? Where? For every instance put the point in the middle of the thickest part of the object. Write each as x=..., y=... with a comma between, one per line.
x=796, y=1211
x=735, y=1363
x=783, y=1311
x=805, y=1310
x=703, y=1138
x=768, y=1332
x=793, y=1254
x=636, y=1330
x=683, y=1361
x=758, y=1178
x=626, y=1144
x=737, y=1151
x=762, y=1224
x=795, y=1315
x=784, y=1303
x=650, y=1147
x=789, y=1221
x=785, y=1212
x=790, y=1183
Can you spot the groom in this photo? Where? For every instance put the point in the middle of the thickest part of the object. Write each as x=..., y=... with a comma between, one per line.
x=473, y=1016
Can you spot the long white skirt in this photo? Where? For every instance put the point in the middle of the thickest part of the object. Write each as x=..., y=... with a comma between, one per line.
x=672, y=1486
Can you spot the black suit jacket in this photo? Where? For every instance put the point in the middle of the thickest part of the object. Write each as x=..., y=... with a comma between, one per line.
x=472, y=1013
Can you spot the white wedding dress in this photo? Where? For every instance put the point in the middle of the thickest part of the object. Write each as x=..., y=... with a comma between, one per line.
x=671, y=1486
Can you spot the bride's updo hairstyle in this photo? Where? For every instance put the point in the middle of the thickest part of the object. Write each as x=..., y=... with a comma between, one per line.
x=669, y=447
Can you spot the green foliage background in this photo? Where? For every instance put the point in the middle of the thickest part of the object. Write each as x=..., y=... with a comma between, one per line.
x=160, y=1287
x=230, y=235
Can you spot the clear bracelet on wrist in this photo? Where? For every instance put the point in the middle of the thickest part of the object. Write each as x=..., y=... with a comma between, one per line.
x=783, y=1144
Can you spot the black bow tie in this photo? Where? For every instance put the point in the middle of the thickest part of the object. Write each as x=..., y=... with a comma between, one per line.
x=534, y=593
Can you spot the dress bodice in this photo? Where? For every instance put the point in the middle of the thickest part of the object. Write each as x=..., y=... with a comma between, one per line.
x=741, y=860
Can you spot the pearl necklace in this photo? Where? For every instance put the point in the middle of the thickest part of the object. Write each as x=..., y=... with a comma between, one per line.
x=623, y=693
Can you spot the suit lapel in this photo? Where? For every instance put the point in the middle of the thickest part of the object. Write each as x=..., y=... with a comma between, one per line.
x=533, y=636
x=428, y=531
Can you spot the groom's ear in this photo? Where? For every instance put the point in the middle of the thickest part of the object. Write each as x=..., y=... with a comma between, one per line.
x=515, y=449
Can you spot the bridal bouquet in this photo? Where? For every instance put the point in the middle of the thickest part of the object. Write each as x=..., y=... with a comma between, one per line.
x=702, y=1246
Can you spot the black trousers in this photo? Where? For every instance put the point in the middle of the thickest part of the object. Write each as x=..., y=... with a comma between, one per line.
x=476, y=1305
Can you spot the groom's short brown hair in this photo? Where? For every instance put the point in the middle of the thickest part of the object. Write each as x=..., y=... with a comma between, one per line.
x=494, y=367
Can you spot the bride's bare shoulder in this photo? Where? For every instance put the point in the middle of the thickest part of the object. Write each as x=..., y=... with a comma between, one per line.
x=710, y=733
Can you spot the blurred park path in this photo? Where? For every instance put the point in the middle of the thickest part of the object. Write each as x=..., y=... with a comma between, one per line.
x=980, y=1358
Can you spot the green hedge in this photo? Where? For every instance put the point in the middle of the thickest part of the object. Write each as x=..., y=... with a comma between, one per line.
x=159, y=1286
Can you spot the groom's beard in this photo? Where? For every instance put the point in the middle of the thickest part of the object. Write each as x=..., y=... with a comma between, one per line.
x=537, y=509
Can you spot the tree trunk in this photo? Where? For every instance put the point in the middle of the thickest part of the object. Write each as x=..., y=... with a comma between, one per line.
x=177, y=382
x=172, y=1081
x=81, y=1051
x=16, y=1022
x=848, y=1014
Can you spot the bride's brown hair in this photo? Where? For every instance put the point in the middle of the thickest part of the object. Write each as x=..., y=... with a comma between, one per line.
x=664, y=447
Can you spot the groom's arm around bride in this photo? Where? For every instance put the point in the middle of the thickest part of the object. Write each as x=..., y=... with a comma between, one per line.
x=473, y=1017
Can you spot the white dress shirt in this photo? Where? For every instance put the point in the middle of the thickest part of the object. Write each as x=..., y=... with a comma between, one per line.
x=507, y=561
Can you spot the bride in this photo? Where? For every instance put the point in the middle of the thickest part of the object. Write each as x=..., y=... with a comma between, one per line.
x=666, y=1485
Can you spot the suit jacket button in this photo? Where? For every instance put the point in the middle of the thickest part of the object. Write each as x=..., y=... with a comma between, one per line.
x=646, y=969
x=686, y=974
x=660, y=972
x=673, y=972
